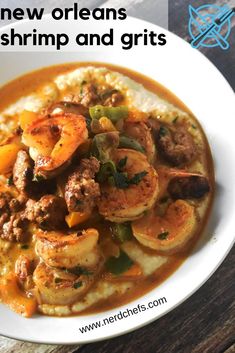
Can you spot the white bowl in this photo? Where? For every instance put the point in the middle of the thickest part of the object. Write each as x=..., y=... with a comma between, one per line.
x=189, y=75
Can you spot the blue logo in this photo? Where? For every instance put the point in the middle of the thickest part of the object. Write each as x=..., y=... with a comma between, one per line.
x=210, y=26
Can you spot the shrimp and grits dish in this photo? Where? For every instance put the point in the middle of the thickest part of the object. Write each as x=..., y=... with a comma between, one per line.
x=106, y=183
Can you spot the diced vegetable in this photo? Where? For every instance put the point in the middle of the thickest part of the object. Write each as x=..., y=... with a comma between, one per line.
x=118, y=265
x=128, y=142
x=106, y=125
x=113, y=113
x=137, y=116
x=104, y=144
x=27, y=118
x=8, y=155
x=75, y=218
x=122, y=231
x=12, y=296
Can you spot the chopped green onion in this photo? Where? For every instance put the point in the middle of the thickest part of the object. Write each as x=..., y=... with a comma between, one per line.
x=106, y=170
x=113, y=113
x=136, y=179
x=122, y=163
x=122, y=231
x=163, y=131
x=78, y=271
x=104, y=144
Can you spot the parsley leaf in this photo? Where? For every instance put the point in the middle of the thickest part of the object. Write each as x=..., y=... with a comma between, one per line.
x=163, y=235
x=77, y=285
x=118, y=265
x=122, y=163
x=10, y=181
x=136, y=179
x=78, y=271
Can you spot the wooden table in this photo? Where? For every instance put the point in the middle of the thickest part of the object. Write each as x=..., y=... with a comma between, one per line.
x=205, y=323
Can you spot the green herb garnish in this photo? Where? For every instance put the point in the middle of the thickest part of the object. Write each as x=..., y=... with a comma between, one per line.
x=136, y=179
x=77, y=285
x=163, y=131
x=128, y=142
x=118, y=265
x=122, y=231
x=120, y=180
x=106, y=170
x=24, y=246
x=193, y=126
x=175, y=119
x=78, y=271
x=122, y=163
x=163, y=235
x=10, y=181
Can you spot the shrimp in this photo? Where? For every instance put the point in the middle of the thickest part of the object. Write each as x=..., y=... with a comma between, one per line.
x=121, y=205
x=169, y=233
x=142, y=133
x=69, y=251
x=53, y=139
x=56, y=286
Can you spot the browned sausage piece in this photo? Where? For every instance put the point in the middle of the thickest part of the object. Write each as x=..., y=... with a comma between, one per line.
x=23, y=267
x=49, y=212
x=15, y=229
x=189, y=187
x=89, y=95
x=23, y=172
x=12, y=221
x=81, y=190
x=176, y=145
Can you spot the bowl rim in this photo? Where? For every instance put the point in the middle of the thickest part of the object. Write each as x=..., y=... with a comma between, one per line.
x=152, y=319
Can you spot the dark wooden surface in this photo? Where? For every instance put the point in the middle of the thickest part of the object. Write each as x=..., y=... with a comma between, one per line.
x=205, y=323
